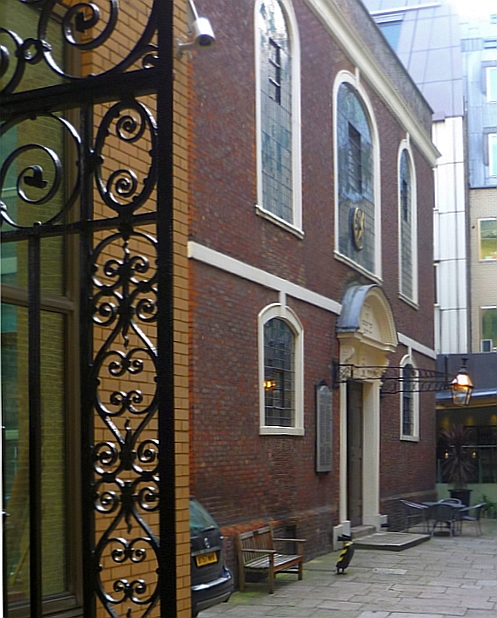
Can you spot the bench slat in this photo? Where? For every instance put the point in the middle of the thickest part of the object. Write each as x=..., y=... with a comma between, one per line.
x=279, y=560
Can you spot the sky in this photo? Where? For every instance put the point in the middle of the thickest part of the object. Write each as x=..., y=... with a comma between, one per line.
x=467, y=7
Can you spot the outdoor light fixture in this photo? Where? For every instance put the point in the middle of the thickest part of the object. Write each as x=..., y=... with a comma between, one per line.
x=200, y=32
x=462, y=386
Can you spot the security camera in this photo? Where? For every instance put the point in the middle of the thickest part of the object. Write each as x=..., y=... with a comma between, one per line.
x=200, y=33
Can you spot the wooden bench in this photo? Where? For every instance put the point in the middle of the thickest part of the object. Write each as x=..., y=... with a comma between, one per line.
x=257, y=554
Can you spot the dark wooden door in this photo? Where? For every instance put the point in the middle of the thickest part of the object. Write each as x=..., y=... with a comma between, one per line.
x=354, y=452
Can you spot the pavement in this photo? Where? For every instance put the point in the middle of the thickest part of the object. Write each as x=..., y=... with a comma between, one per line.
x=445, y=577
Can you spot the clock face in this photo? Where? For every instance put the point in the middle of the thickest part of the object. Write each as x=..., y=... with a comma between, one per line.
x=357, y=227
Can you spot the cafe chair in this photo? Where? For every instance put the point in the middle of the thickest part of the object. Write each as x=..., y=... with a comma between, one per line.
x=416, y=513
x=471, y=514
x=445, y=516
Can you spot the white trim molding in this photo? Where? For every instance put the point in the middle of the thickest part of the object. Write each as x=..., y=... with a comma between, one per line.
x=237, y=268
x=416, y=346
x=256, y=275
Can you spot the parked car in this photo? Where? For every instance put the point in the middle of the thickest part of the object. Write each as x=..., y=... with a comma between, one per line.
x=212, y=581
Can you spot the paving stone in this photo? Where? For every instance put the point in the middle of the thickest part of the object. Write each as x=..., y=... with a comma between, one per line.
x=442, y=578
x=341, y=605
x=416, y=616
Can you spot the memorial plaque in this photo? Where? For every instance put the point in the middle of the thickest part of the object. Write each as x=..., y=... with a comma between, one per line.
x=324, y=428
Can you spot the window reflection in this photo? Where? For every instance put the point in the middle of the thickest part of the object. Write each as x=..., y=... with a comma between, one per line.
x=14, y=324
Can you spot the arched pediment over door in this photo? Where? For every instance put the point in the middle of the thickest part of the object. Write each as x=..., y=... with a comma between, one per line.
x=366, y=330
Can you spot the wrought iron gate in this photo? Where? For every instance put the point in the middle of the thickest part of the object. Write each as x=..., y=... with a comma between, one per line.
x=86, y=113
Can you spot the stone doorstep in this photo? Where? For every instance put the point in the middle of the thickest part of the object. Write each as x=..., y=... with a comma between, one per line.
x=358, y=532
x=390, y=541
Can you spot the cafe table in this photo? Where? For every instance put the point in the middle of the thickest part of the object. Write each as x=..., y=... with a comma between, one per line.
x=444, y=514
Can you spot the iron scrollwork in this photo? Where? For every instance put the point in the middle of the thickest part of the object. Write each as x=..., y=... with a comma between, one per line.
x=69, y=179
x=126, y=463
x=85, y=26
x=393, y=379
x=128, y=122
x=38, y=184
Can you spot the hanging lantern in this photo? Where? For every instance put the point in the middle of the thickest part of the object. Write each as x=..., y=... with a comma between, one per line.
x=462, y=386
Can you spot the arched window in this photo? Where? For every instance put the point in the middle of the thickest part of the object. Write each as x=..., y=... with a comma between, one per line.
x=281, y=371
x=357, y=215
x=407, y=227
x=278, y=113
x=409, y=421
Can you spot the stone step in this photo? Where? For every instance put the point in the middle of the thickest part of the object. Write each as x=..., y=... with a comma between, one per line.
x=391, y=541
x=358, y=532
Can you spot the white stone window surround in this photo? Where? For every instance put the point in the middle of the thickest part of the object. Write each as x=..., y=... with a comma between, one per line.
x=283, y=312
x=405, y=145
x=296, y=226
x=414, y=437
x=355, y=81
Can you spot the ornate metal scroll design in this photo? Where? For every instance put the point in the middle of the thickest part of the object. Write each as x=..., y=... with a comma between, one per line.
x=392, y=378
x=84, y=26
x=126, y=482
x=420, y=381
x=39, y=171
x=124, y=309
x=121, y=190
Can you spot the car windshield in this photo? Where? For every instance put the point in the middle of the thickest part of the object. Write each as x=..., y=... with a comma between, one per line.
x=200, y=519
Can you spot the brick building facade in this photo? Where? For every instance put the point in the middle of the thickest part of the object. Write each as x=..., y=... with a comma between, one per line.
x=355, y=293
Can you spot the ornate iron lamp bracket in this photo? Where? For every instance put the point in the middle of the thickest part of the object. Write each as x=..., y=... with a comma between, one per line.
x=393, y=379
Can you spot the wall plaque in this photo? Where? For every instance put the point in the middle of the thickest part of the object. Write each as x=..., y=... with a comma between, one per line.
x=324, y=428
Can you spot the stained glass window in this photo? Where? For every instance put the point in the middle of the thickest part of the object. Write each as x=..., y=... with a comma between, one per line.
x=279, y=373
x=406, y=226
x=276, y=111
x=408, y=374
x=355, y=177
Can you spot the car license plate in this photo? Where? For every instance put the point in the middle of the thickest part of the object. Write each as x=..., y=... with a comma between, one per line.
x=204, y=559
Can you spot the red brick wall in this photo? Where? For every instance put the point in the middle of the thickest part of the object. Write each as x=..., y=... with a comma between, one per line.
x=244, y=478
x=238, y=474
